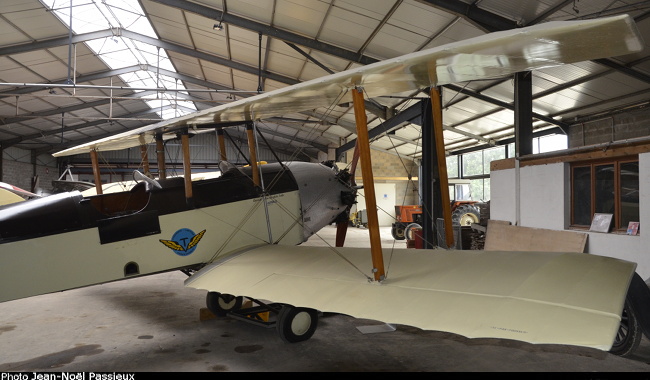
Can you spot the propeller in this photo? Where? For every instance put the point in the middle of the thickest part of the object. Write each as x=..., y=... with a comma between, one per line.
x=343, y=220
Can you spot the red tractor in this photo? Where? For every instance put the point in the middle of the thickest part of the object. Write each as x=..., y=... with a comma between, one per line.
x=464, y=212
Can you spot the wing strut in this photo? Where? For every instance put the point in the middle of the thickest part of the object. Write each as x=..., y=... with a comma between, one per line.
x=253, y=153
x=222, y=144
x=368, y=183
x=187, y=165
x=160, y=156
x=98, y=178
x=441, y=160
x=144, y=156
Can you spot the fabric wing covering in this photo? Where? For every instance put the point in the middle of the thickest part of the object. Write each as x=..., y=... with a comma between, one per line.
x=491, y=56
x=536, y=297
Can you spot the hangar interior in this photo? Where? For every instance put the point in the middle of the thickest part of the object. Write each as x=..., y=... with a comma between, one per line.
x=530, y=146
x=76, y=72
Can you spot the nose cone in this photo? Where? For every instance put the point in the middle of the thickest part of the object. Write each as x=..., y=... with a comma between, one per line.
x=324, y=194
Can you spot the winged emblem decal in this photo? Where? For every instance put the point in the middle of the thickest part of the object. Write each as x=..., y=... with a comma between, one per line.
x=184, y=241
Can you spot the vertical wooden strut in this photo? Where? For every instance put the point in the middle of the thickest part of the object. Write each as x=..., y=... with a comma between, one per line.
x=368, y=183
x=160, y=156
x=253, y=153
x=96, y=174
x=187, y=166
x=222, y=144
x=436, y=108
x=144, y=156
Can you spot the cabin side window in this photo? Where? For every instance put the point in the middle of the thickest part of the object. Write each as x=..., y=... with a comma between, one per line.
x=608, y=187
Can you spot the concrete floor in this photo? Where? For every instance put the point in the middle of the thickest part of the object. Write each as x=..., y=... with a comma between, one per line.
x=153, y=324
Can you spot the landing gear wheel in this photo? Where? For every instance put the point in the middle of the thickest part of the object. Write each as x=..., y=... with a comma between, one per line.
x=465, y=215
x=221, y=304
x=296, y=324
x=397, y=232
x=629, y=333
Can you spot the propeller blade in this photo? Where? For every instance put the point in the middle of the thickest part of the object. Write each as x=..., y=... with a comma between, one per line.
x=343, y=220
x=341, y=230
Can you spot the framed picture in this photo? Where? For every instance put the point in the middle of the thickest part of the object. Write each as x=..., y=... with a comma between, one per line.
x=633, y=228
x=601, y=222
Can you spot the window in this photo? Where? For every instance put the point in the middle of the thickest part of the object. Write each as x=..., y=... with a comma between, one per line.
x=452, y=167
x=610, y=187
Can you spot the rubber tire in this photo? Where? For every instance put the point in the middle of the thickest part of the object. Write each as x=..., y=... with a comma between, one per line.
x=408, y=231
x=629, y=333
x=296, y=324
x=221, y=304
x=463, y=212
x=398, y=232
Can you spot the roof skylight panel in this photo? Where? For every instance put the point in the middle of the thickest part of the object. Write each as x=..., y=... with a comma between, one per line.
x=119, y=52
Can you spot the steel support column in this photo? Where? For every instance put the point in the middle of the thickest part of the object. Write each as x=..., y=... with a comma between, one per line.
x=430, y=196
x=523, y=114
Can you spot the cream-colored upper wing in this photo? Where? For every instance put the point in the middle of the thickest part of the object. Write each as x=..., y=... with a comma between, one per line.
x=536, y=297
x=486, y=57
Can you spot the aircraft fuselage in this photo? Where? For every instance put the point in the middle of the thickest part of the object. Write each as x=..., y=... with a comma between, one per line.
x=66, y=241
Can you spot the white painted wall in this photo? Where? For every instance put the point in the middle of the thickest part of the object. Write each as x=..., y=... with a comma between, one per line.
x=545, y=203
x=386, y=201
x=503, y=196
x=544, y=209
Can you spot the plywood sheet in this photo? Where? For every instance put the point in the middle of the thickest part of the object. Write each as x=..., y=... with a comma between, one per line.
x=502, y=236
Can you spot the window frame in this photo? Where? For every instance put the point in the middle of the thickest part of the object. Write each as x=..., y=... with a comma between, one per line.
x=593, y=164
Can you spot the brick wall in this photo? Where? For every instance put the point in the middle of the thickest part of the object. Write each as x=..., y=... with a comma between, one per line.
x=389, y=168
x=625, y=125
x=18, y=170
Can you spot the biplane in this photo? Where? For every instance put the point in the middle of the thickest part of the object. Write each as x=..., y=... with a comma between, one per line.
x=238, y=235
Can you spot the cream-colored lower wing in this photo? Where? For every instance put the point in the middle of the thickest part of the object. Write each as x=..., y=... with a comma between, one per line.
x=536, y=297
x=7, y=197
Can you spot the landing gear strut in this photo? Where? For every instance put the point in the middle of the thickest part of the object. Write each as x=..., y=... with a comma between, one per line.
x=294, y=324
x=221, y=304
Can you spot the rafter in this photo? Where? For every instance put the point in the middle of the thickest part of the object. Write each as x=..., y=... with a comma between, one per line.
x=267, y=30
